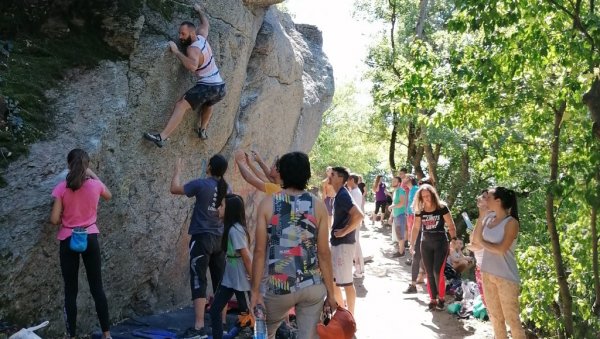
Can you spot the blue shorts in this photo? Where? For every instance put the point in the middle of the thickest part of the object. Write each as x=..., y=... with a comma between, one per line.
x=400, y=226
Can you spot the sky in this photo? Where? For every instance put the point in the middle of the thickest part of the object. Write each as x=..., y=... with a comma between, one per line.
x=345, y=39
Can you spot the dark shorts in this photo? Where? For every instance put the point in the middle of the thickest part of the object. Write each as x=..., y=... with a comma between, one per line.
x=204, y=95
x=205, y=253
x=380, y=205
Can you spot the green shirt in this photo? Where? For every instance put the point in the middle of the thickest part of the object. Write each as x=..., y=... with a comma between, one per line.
x=399, y=192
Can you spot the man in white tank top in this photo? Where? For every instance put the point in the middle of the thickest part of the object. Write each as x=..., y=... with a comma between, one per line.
x=209, y=89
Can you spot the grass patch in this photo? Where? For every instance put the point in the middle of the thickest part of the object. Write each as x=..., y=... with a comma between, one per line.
x=34, y=65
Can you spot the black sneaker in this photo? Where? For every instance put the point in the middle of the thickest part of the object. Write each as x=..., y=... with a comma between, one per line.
x=412, y=289
x=440, y=305
x=432, y=305
x=192, y=333
x=155, y=138
x=408, y=262
x=202, y=133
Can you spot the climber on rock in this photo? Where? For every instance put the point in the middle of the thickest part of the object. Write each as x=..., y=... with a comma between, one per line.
x=209, y=88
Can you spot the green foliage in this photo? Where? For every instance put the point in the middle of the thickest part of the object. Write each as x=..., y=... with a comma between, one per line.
x=345, y=138
x=487, y=78
x=33, y=66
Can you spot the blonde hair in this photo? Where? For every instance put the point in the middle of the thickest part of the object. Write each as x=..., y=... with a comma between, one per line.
x=419, y=204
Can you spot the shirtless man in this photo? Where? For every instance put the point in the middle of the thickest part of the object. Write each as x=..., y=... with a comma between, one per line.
x=209, y=88
x=328, y=193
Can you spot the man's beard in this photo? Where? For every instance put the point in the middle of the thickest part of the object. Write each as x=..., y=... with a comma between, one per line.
x=185, y=43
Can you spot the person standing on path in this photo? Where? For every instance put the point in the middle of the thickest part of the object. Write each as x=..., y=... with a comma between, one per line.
x=359, y=261
x=291, y=244
x=327, y=194
x=499, y=270
x=75, y=205
x=431, y=214
x=380, y=198
x=210, y=87
x=398, y=209
x=206, y=230
x=346, y=218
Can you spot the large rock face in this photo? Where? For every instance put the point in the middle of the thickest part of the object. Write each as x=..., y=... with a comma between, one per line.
x=279, y=83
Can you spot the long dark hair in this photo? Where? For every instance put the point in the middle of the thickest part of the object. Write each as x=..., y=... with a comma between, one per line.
x=78, y=161
x=508, y=200
x=235, y=213
x=217, y=168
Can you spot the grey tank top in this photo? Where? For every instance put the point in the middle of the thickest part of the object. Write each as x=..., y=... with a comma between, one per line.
x=505, y=265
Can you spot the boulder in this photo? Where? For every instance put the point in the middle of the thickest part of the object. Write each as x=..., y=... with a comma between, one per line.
x=279, y=83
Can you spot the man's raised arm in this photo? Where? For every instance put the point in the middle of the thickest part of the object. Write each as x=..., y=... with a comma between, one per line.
x=202, y=29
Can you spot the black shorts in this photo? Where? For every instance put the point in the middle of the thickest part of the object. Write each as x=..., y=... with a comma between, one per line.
x=380, y=205
x=205, y=253
x=204, y=94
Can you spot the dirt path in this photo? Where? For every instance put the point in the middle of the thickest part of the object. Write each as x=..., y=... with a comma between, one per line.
x=384, y=312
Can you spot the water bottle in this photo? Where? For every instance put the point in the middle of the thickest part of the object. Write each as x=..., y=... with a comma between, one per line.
x=468, y=222
x=260, y=326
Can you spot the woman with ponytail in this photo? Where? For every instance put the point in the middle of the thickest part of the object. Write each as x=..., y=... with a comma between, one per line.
x=75, y=205
x=497, y=236
x=206, y=230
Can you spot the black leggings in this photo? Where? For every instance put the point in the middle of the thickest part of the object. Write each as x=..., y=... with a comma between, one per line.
x=221, y=298
x=434, y=252
x=69, y=265
x=416, y=260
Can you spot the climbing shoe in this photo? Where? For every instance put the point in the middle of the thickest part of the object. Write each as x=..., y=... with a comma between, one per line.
x=155, y=138
x=202, y=133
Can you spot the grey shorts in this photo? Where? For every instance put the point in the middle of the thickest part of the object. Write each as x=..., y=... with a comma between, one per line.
x=205, y=95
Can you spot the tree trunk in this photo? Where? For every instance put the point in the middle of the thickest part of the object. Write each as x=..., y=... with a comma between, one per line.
x=462, y=178
x=593, y=219
x=592, y=101
x=566, y=301
x=432, y=161
x=393, y=139
x=422, y=17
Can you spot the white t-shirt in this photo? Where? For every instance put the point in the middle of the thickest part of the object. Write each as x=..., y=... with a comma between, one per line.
x=356, y=195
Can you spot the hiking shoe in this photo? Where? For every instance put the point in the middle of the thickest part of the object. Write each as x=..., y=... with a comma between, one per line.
x=155, y=138
x=432, y=305
x=412, y=289
x=440, y=305
x=202, y=133
x=192, y=333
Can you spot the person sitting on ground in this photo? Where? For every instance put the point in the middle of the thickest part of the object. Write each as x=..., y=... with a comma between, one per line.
x=210, y=87
x=457, y=259
x=254, y=177
x=299, y=268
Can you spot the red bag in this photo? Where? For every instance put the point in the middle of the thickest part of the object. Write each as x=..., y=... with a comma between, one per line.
x=341, y=326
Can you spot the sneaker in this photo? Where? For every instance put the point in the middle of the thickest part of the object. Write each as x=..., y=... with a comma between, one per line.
x=396, y=255
x=408, y=262
x=192, y=333
x=155, y=138
x=440, y=305
x=412, y=289
x=202, y=133
x=357, y=275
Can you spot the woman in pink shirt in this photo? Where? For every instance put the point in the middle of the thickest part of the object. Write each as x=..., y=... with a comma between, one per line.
x=75, y=205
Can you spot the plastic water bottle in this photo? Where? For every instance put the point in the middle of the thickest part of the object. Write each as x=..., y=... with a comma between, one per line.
x=260, y=326
x=468, y=222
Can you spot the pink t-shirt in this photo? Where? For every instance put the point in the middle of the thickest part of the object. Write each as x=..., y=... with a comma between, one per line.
x=79, y=207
